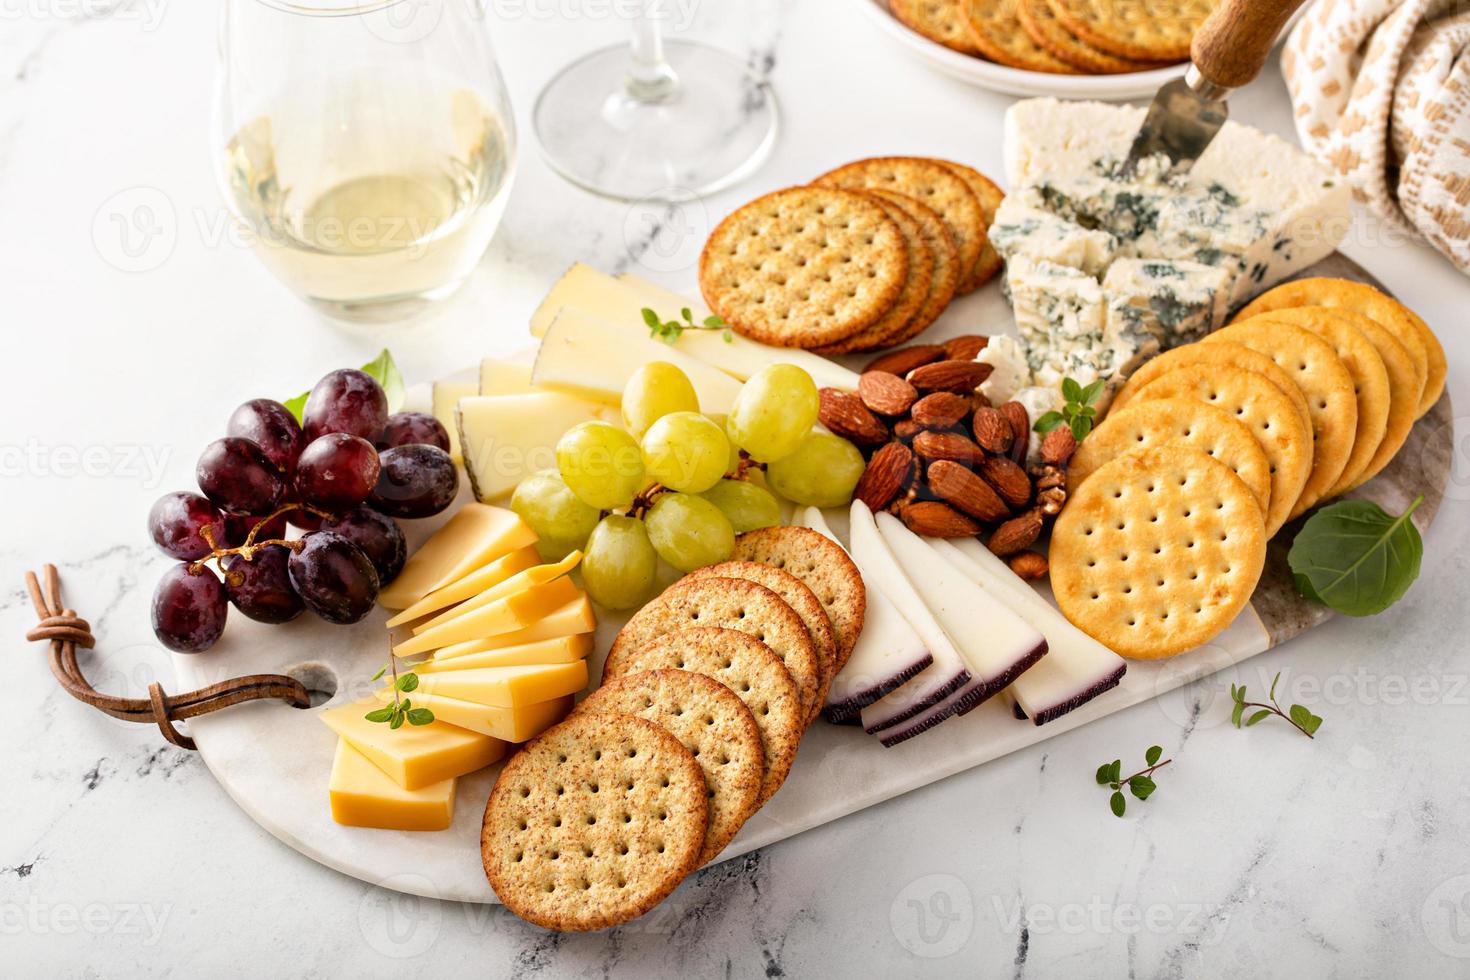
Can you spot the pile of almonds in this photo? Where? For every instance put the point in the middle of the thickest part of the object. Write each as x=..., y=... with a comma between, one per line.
x=943, y=459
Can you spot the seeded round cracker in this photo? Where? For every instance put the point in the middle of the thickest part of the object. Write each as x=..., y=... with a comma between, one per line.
x=1231, y=355
x=594, y=822
x=713, y=724
x=804, y=267
x=825, y=568
x=1145, y=30
x=938, y=20
x=995, y=27
x=911, y=299
x=802, y=601
x=1170, y=421
x=1262, y=408
x=1317, y=370
x=1158, y=552
x=747, y=667
x=1357, y=297
x=1038, y=20
x=1370, y=383
x=928, y=182
x=947, y=271
x=988, y=266
x=731, y=603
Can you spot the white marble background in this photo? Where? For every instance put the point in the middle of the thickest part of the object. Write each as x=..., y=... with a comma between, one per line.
x=1262, y=854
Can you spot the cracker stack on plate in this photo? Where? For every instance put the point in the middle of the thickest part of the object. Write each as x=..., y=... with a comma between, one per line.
x=705, y=696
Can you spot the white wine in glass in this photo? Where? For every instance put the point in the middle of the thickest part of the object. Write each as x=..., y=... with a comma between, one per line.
x=367, y=146
x=656, y=119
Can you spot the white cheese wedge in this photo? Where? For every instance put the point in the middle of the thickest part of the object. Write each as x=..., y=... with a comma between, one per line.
x=587, y=356
x=506, y=438
x=888, y=653
x=997, y=644
x=446, y=398
x=947, y=673
x=507, y=375
x=1076, y=668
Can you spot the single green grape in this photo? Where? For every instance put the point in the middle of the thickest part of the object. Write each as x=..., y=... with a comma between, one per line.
x=561, y=520
x=601, y=464
x=686, y=452
x=722, y=420
x=773, y=412
x=621, y=566
x=822, y=472
x=745, y=505
x=689, y=532
x=656, y=389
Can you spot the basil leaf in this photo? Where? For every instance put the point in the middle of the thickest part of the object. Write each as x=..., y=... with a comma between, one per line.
x=383, y=369
x=1355, y=558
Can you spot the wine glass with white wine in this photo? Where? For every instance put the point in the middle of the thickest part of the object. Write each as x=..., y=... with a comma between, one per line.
x=657, y=118
x=366, y=144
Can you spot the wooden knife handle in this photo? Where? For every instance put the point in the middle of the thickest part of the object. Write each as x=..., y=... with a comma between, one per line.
x=1231, y=47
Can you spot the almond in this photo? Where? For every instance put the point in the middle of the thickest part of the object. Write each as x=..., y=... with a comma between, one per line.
x=993, y=431
x=1058, y=446
x=846, y=415
x=1016, y=414
x=906, y=430
x=1016, y=534
x=960, y=377
x=936, y=520
x=1008, y=480
x=886, y=394
x=964, y=491
x=941, y=410
x=1029, y=565
x=966, y=347
x=952, y=446
x=888, y=472
x=901, y=362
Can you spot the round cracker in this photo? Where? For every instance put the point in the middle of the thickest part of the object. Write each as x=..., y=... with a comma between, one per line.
x=1357, y=297
x=995, y=27
x=794, y=592
x=926, y=181
x=826, y=569
x=713, y=724
x=938, y=20
x=1230, y=355
x=1169, y=421
x=1315, y=368
x=990, y=196
x=1155, y=30
x=1038, y=20
x=1158, y=552
x=805, y=266
x=747, y=667
x=737, y=604
x=1262, y=408
x=1370, y=383
x=594, y=822
x=947, y=271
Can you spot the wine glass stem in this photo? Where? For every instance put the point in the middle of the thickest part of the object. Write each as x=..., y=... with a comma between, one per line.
x=650, y=77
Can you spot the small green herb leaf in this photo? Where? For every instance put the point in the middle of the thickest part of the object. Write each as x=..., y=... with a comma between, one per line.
x=420, y=716
x=1104, y=774
x=1271, y=695
x=383, y=369
x=1118, y=803
x=1081, y=426
x=1048, y=422
x=397, y=721
x=1261, y=715
x=1093, y=392
x=381, y=671
x=1236, y=713
x=408, y=682
x=1305, y=720
x=1071, y=390
x=1141, y=787
x=1356, y=558
x=380, y=715
x=1154, y=754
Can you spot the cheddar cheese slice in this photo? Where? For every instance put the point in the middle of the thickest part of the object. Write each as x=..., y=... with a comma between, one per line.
x=576, y=617
x=507, y=687
x=473, y=584
x=514, y=612
x=472, y=539
x=506, y=724
x=362, y=795
x=415, y=756
x=561, y=650
x=522, y=581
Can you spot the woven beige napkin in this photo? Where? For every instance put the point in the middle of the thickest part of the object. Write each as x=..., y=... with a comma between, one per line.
x=1381, y=90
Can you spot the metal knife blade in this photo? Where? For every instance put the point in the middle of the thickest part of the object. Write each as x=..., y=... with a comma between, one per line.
x=1185, y=116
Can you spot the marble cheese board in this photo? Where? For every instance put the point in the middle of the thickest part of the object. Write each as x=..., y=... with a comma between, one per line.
x=274, y=760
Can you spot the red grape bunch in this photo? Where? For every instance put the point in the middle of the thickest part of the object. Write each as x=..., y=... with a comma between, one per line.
x=341, y=475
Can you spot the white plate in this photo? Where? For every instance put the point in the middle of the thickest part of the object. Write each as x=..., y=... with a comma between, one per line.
x=1014, y=81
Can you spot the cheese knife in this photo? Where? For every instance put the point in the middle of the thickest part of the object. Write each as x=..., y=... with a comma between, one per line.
x=1228, y=51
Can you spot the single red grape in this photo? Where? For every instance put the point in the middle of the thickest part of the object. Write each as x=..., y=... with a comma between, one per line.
x=239, y=526
x=272, y=427
x=189, y=609
x=376, y=535
x=346, y=401
x=415, y=481
x=177, y=521
x=337, y=471
x=413, y=428
x=237, y=476
x=334, y=578
x=261, y=587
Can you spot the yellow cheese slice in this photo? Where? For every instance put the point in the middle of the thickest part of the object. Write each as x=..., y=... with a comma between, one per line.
x=506, y=724
x=473, y=584
x=574, y=618
x=561, y=650
x=518, y=583
x=507, y=687
x=446, y=396
x=362, y=795
x=586, y=356
x=514, y=612
x=472, y=539
x=415, y=756
x=511, y=376
x=506, y=438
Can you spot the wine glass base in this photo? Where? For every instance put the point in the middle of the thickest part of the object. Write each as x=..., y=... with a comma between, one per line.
x=384, y=309
x=716, y=129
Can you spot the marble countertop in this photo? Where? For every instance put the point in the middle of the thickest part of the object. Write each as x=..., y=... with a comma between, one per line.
x=1262, y=853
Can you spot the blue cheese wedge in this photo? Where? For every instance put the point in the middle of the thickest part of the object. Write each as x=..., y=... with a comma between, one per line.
x=1030, y=232
x=1175, y=302
x=1010, y=371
